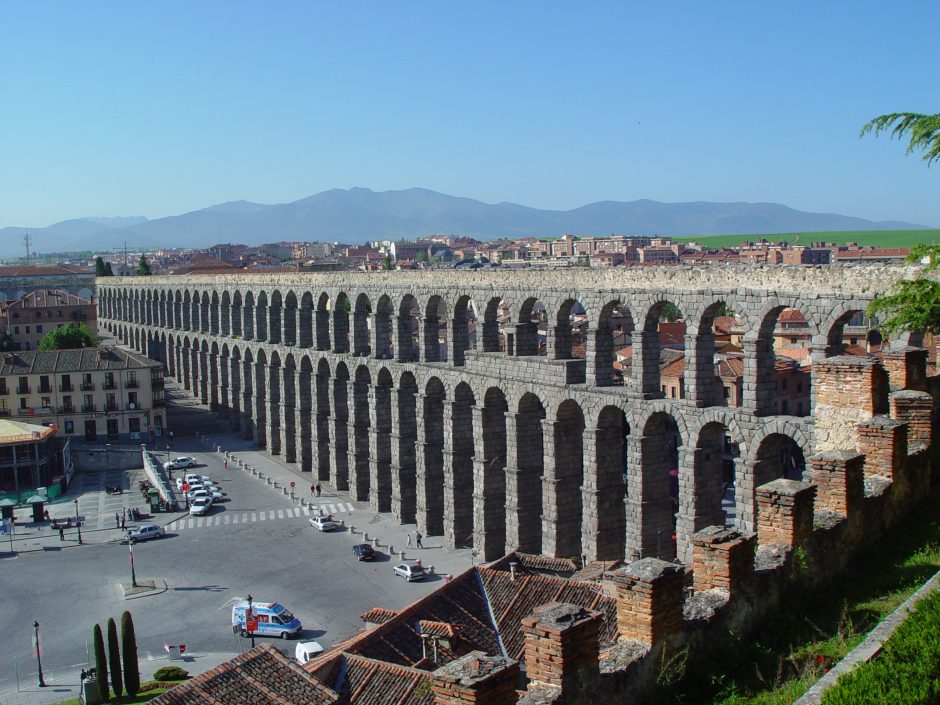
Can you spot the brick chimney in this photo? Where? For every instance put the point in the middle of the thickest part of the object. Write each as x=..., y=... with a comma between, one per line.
x=722, y=559
x=561, y=647
x=476, y=678
x=839, y=479
x=785, y=512
x=649, y=600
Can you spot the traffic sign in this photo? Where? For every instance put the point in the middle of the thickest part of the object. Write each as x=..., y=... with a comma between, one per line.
x=292, y=484
x=251, y=625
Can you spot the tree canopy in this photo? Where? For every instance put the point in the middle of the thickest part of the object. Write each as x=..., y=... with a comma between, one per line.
x=102, y=269
x=68, y=336
x=912, y=305
x=923, y=132
x=143, y=267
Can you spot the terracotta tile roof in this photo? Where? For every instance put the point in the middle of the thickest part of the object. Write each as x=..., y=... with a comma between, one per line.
x=461, y=602
x=731, y=368
x=672, y=333
x=676, y=368
x=797, y=354
x=29, y=271
x=378, y=615
x=49, y=297
x=442, y=629
x=365, y=681
x=260, y=676
x=512, y=600
x=536, y=562
x=790, y=315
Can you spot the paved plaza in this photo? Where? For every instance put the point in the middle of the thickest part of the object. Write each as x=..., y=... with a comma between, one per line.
x=257, y=542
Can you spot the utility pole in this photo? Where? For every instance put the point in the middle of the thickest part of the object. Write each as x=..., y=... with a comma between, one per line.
x=125, y=253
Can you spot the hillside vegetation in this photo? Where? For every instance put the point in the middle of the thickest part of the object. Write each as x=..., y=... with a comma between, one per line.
x=875, y=238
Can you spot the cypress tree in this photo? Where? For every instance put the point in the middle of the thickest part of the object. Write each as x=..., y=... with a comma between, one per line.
x=101, y=664
x=100, y=270
x=129, y=655
x=114, y=659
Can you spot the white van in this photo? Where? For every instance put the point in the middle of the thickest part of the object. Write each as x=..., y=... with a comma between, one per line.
x=306, y=650
x=273, y=619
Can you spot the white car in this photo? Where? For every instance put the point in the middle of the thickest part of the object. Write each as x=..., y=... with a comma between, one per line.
x=323, y=523
x=183, y=461
x=410, y=571
x=200, y=506
x=144, y=532
x=214, y=495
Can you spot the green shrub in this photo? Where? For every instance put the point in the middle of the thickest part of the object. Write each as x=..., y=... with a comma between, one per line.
x=171, y=673
x=907, y=670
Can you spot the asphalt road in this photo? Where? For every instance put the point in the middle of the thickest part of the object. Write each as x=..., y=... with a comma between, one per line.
x=205, y=567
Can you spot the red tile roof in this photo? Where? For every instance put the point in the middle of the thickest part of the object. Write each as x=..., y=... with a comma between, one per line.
x=378, y=615
x=442, y=629
x=365, y=681
x=261, y=676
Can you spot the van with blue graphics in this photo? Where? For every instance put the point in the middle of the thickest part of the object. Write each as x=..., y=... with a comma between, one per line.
x=273, y=619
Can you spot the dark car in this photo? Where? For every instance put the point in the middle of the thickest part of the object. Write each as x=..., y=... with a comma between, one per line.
x=364, y=552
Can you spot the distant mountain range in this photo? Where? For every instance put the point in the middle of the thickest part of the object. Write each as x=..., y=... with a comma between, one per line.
x=359, y=215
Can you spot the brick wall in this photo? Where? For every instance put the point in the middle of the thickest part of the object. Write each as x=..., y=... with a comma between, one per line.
x=785, y=512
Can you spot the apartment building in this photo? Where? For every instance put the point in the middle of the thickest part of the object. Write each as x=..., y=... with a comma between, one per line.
x=26, y=321
x=91, y=394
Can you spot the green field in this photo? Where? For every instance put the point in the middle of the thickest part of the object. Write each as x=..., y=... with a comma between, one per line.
x=877, y=238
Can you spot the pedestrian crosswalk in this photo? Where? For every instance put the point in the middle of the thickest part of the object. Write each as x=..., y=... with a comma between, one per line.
x=229, y=518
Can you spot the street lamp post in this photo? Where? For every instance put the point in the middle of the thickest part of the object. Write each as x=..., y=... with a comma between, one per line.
x=78, y=523
x=130, y=547
x=42, y=683
x=248, y=616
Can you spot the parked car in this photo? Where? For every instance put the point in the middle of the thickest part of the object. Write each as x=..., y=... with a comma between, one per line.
x=145, y=531
x=183, y=461
x=193, y=477
x=214, y=495
x=306, y=650
x=323, y=523
x=364, y=552
x=410, y=571
x=200, y=506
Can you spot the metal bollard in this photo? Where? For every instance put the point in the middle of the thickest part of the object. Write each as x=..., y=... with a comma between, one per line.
x=401, y=555
x=375, y=542
x=276, y=484
x=365, y=536
x=431, y=569
x=391, y=549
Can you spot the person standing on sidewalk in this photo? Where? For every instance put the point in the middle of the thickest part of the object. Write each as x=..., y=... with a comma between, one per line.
x=418, y=538
x=117, y=520
x=409, y=539
x=318, y=489
x=313, y=490
x=61, y=534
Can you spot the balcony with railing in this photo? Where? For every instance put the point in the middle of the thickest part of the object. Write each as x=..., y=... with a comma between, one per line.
x=5, y=412
x=67, y=409
x=45, y=389
x=109, y=384
x=66, y=387
x=131, y=384
x=23, y=389
x=111, y=406
x=88, y=407
x=88, y=386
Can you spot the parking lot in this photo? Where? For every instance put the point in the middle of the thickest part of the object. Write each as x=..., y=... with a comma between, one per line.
x=257, y=542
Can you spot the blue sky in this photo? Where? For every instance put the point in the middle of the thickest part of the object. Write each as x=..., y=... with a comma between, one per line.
x=117, y=108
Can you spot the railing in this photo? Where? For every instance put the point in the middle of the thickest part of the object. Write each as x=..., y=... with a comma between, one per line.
x=5, y=412
x=109, y=384
x=159, y=403
x=132, y=384
x=88, y=407
x=23, y=389
x=67, y=409
x=88, y=386
x=4, y=390
x=66, y=387
x=45, y=390
x=111, y=406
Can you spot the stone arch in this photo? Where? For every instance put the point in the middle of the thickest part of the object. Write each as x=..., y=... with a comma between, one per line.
x=612, y=335
x=848, y=325
x=568, y=340
x=712, y=483
x=526, y=484
x=249, y=315
x=382, y=482
x=187, y=311
x=237, y=315
x=341, y=323
x=495, y=320
x=322, y=423
x=261, y=316
x=261, y=396
x=490, y=529
x=777, y=359
x=324, y=306
x=532, y=328
x=431, y=485
x=340, y=478
x=359, y=480
x=710, y=368
x=562, y=509
x=605, y=515
x=407, y=333
x=458, y=482
x=205, y=312
x=305, y=321
x=659, y=488
x=289, y=319
x=362, y=326
x=275, y=317
x=435, y=330
x=464, y=333
x=406, y=479
x=288, y=441
x=225, y=314
x=384, y=328
x=659, y=352
x=305, y=422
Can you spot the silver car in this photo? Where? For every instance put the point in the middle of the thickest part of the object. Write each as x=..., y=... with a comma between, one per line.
x=145, y=531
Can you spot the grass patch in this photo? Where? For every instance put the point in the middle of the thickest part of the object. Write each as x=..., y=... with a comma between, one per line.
x=811, y=629
x=876, y=238
x=906, y=671
x=148, y=691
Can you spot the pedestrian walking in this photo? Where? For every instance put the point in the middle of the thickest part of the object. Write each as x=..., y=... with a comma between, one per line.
x=409, y=539
x=226, y=463
x=117, y=520
x=318, y=489
x=418, y=538
x=61, y=534
x=313, y=490
x=123, y=522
